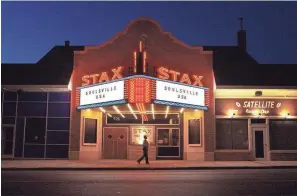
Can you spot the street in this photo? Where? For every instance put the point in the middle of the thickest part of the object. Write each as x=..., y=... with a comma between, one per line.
x=149, y=183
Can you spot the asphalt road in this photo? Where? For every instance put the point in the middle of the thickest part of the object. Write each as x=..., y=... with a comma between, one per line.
x=150, y=183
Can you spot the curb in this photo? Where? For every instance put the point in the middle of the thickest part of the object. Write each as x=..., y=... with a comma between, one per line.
x=144, y=168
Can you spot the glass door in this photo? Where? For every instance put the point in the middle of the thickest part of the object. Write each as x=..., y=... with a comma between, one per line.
x=168, y=142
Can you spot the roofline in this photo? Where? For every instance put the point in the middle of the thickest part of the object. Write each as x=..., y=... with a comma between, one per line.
x=35, y=88
x=254, y=87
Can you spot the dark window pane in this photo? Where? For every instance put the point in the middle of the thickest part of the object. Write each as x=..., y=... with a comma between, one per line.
x=33, y=96
x=57, y=151
x=194, y=131
x=163, y=137
x=18, y=151
x=9, y=108
x=240, y=134
x=59, y=109
x=34, y=151
x=231, y=134
x=90, y=131
x=8, y=120
x=57, y=137
x=223, y=134
x=175, y=137
x=160, y=119
x=59, y=96
x=58, y=123
x=10, y=96
x=35, y=130
x=168, y=151
x=283, y=134
x=31, y=109
x=258, y=121
x=129, y=118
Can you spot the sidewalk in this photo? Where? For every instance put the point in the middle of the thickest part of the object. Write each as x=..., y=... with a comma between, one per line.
x=132, y=165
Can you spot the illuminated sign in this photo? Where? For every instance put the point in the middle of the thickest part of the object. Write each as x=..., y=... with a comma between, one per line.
x=166, y=74
x=181, y=95
x=256, y=107
x=137, y=134
x=103, y=77
x=102, y=94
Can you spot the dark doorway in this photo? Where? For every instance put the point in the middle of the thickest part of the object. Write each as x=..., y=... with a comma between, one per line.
x=259, y=143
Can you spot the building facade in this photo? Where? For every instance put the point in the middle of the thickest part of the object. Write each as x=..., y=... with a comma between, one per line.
x=201, y=103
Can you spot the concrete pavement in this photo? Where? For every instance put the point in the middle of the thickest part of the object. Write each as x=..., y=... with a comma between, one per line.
x=132, y=165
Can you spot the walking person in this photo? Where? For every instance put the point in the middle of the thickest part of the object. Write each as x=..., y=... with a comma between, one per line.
x=145, y=147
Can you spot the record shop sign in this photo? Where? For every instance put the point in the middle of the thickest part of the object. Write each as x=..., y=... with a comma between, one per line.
x=248, y=107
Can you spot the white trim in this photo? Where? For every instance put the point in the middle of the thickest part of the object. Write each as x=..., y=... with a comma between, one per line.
x=37, y=88
x=127, y=135
x=253, y=117
x=83, y=136
x=266, y=147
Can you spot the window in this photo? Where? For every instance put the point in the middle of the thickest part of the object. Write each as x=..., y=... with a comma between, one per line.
x=129, y=119
x=57, y=137
x=33, y=96
x=8, y=120
x=9, y=108
x=283, y=134
x=34, y=151
x=58, y=123
x=90, y=133
x=10, y=96
x=232, y=134
x=168, y=142
x=59, y=97
x=59, y=109
x=35, y=130
x=31, y=109
x=172, y=119
x=194, y=131
x=57, y=151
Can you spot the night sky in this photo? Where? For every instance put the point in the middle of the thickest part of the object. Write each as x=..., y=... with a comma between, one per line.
x=31, y=29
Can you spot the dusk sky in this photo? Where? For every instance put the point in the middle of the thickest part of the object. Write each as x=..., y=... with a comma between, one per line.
x=31, y=29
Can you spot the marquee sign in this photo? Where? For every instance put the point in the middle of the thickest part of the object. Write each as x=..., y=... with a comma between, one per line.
x=139, y=89
x=181, y=95
x=252, y=107
x=105, y=94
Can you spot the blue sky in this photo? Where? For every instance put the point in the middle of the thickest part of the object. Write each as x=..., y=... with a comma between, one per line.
x=31, y=29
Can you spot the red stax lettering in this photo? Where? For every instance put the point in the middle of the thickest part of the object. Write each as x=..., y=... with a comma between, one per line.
x=103, y=77
x=166, y=74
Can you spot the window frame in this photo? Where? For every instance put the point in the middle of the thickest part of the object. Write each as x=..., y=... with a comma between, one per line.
x=201, y=121
x=249, y=135
x=84, y=132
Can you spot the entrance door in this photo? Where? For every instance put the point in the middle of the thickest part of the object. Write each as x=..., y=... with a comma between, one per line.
x=115, y=142
x=260, y=143
x=7, y=141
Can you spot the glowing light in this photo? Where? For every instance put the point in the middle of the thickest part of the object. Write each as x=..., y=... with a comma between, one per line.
x=285, y=114
x=232, y=113
x=153, y=111
x=109, y=115
x=196, y=110
x=131, y=110
x=102, y=110
x=135, y=61
x=181, y=110
x=144, y=62
x=167, y=110
x=118, y=111
x=140, y=46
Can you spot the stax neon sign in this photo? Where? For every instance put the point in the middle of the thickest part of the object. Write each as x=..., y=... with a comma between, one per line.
x=102, y=77
x=166, y=74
